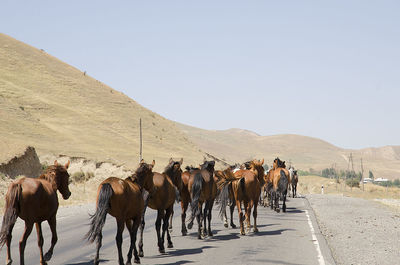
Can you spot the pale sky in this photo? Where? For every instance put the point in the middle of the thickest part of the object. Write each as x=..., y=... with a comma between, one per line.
x=329, y=70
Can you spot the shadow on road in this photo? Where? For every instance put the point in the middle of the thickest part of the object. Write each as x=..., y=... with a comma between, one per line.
x=270, y=233
x=182, y=252
x=87, y=263
x=293, y=210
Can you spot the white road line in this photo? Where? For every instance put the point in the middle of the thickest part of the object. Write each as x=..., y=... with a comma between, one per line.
x=321, y=260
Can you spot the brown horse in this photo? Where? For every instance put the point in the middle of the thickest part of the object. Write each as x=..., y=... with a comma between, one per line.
x=219, y=174
x=280, y=183
x=246, y=189
x=162, y=198
x=123, y=200
x=202, y=189
x=294, y=179
x=185, y=197
x=34, y=200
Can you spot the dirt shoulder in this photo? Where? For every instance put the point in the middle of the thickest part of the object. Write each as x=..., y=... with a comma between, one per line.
x=358, y=231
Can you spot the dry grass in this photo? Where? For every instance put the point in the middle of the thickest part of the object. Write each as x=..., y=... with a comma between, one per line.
x=312, y=185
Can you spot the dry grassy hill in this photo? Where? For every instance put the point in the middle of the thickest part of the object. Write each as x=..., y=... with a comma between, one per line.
x=57, y=109
x=236, y=145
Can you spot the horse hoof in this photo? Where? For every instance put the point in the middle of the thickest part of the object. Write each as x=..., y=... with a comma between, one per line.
x=162, y=251
x=199, y=237
x=190, y=225
x=141, y=254
x=170, y=245
x=48, y=256
x=137, y=261
x=278, y=210
x=233, y=225
x=9, y=262
x=255, y=230
x=226, y=225
x=184, y=233
x=242, y=233
x=210, y=233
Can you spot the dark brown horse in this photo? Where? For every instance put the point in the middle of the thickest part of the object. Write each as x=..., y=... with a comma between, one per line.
x=123, y=200
x=246, y=189
x=34, y=200
x=294, y=179
x=162, y=198
x=185, y=197
x=202, y=189
x=280, y=183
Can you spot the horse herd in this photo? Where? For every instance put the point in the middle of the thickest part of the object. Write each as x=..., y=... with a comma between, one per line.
x=35, y=200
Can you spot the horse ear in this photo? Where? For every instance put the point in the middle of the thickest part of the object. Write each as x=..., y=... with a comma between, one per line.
x=67, y=164
x=170, y=160
x=180, y=162
x=262, y=161
x=55, y=163
x=153, y=163
x=142, y=161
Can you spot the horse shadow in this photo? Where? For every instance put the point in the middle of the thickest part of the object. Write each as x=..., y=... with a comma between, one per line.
x=183, y=252
x=269, y=233
x=293, y=210
x=88, y=262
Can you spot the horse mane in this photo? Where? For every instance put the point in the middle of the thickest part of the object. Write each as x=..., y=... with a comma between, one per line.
x=280, y=163
x=138, y=175
x=170, y=167
x=206, y=165
x=49, y=175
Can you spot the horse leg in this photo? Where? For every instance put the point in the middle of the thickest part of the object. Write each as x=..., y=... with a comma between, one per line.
x=232, y=208
x=40, y=242
x=205, y=214
x=247, y=211
x=210, y=206
x=22, y=242
x=284, y=202
x=277, y=207
x=170, y=221
x=255, y=229
x=184, y=206
x=225, y=219
x=160, y=215
x=168, y=213
x=8, y=244
x=118, y=240
x=241, y=217
x=132, y=226
x=141, y=227
x=198, y=217
x=52, y=223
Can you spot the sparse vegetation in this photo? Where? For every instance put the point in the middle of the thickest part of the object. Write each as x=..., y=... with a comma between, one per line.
x=80, y=176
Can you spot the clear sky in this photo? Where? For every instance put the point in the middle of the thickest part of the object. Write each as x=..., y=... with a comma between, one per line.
x=326, y=69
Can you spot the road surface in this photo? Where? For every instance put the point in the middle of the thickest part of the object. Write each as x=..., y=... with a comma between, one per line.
x=284, y=238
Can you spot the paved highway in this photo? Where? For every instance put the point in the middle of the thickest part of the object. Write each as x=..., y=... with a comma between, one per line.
x=284, y=238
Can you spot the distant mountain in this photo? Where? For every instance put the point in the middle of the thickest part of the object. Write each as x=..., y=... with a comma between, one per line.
x=235, y=145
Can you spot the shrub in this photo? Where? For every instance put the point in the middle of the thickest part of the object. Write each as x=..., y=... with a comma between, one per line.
x=78, y=177
x=353, y=183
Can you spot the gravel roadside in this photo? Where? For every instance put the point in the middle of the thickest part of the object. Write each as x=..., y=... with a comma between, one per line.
x=358, y=231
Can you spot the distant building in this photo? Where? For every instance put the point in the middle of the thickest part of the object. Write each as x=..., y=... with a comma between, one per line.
x=381, y=180
x=368, y=180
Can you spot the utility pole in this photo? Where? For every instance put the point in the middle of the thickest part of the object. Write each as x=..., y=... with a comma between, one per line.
x=352, y=171
x=362, y=174
x=140, y=130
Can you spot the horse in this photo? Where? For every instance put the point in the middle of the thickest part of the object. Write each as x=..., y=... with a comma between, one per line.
x=280, y=177
x=294, y=179
x=162, y=198
x=122, y=199
x=246, y=189
x=185, y=197
x=202, y=189
x=34, y=200
x=267, y=188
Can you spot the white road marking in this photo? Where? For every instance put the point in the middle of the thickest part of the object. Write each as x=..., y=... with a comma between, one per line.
x=321, y=260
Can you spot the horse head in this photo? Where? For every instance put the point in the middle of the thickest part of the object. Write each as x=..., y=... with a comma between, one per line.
x=144, y=175
x=257, y=166
x=174, y=171
x=209, y=166
x=60, y=177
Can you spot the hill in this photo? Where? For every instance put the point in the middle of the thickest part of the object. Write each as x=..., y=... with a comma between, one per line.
x=58, y=109
x=236, y=145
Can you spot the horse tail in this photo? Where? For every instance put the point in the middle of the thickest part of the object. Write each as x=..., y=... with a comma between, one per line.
x=241, y=185
x=283, y=183
x=223, y=197
x=98, y=219
x=11, y=212
x=195, y=194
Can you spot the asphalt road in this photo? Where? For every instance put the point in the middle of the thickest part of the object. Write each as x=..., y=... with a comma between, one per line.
x=284, y=238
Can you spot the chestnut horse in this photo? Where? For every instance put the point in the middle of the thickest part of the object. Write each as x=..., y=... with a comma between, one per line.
x=202, y=189
x=280, y=177
x=34, y=200
x=166, y=187
x=219, y=174
x=123, y=200
x=246, y=189
x=185, y=197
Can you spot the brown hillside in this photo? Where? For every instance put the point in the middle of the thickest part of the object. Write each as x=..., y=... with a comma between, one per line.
x=59, y=110
x=235, y=145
